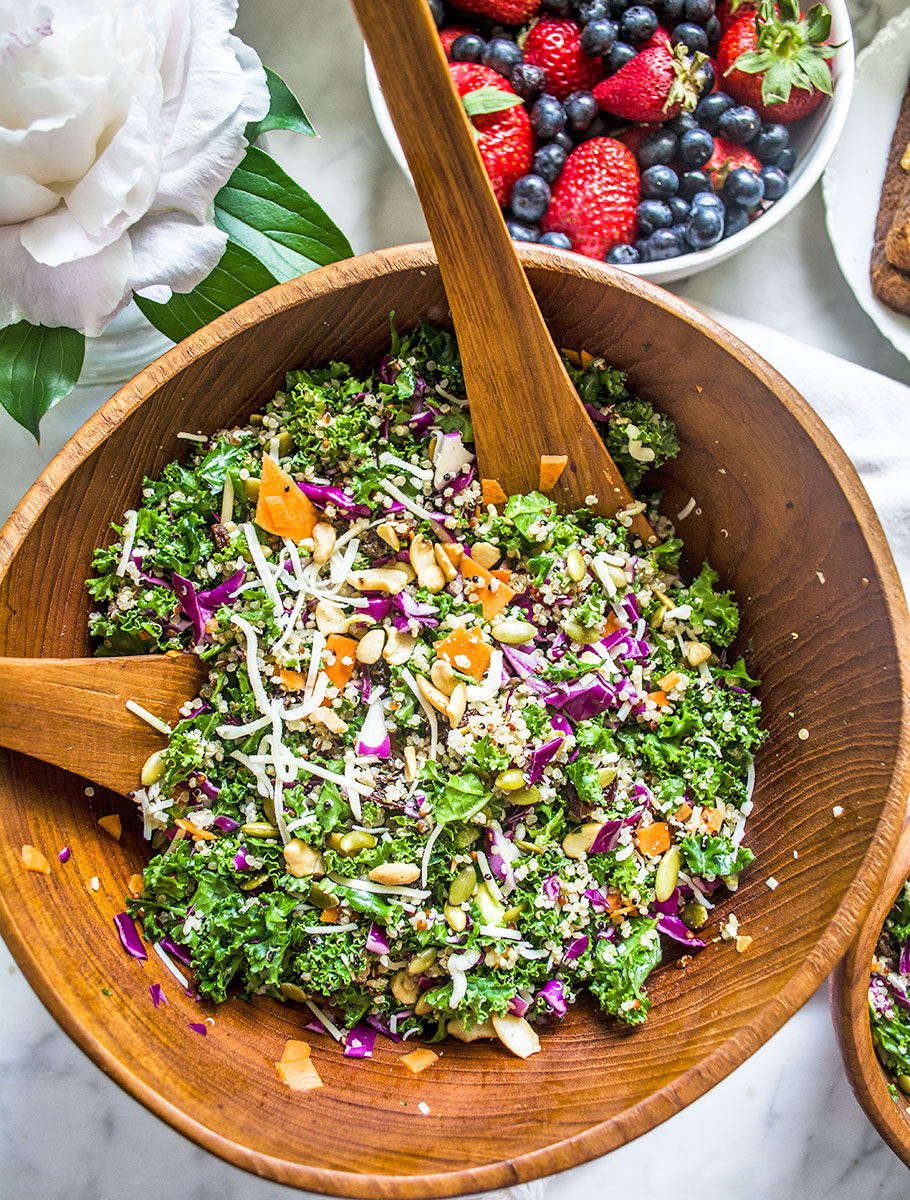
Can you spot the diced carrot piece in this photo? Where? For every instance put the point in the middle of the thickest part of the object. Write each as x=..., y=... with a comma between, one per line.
x=418, y=1060
x=34, y=860
x=653, y=839
x=282, y=508
x=491, y=492
x=551, y=467
x=295, y=1051
x=669, y=681
x=341, y=650
x=572, y=355
x=683, y=812
x=712, y=819
x=135, y=885
x=613, y=623
x=503, y=574
x=492, y=599
x=112, y=825
x=659, y=698
x=294, y=681
x=201, y=835
x=329, y=916
x=468, y=648
x=299, y=1074
x=455, y=552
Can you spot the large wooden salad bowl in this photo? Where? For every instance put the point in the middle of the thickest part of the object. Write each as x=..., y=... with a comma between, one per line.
x=849, y=994
x=781, y=514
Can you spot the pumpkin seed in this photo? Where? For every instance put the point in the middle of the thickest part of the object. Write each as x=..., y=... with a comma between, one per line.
x=462, y=886
x=510, y=780
x=667, y=874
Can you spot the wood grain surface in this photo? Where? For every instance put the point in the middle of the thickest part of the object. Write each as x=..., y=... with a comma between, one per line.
x=782, y=516
x=72, y=712
x=849, y=996
x=523, y=404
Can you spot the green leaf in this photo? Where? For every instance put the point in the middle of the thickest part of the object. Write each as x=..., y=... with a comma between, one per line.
x=263, y=210
x=284, y=111
x=817, y=73
x=752, y=61
x=237, y=277
x=818, y=24
x=464, y=795
x=488, y=100
x=38, y=367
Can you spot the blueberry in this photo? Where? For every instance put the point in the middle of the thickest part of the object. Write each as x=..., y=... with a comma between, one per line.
x=593, y=10
x=618, y=7
x=581, y=109
x=707, y=200
x=708, y=110
x=621, y=53
x=622, y=254
x=695, y=148
x=653, y=214
x=549, y=161
x=559, y=241
x=739, y=124
x=598, y=37
x=699, y=10
x=658, y=147
x=682, y=123
x=770, y=142
x=438, y=12
x=704, y=228
x=704, y=77
x=670, y=11
x=519, y=231
x=657, y=183
x=694, y=183
x=713, y=34
x=679, y=210
x=637, y=24
x=603, y=125
x=468, y=48
x=548, y=116
x=563, y=139
x=736, y=219
x=502, y=55
x=786, y=160
x=744, y=187
x=665, y=243
x=692, y=36
x=528, y=81
x=557, y=8
x=775, y=181
x=530, y=198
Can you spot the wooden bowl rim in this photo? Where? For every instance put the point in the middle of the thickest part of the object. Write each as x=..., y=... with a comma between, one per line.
x=848, y=994
x=658, y=1107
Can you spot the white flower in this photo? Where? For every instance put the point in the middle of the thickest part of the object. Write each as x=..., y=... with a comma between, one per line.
x=119, y=121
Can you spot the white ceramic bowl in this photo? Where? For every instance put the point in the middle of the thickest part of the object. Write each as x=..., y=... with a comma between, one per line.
x=813, y=139
x=853, y=179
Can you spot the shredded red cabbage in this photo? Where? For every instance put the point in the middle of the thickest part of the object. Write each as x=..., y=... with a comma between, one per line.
x=326, y=493
x=158, y=996
x=518, y=1007
x=539, y=759
x=198, y=1027
x=553, y=994
x=377, y=940
x=608, y=836
x=360, y=1041
x=675, y=929
x=226, y=824
x=181, y=953
x=584, y=698
x=577, y=948
x=129, y=937
x=64, y=854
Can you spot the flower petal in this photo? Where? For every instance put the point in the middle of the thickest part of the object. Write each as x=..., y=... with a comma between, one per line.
x=173, y=252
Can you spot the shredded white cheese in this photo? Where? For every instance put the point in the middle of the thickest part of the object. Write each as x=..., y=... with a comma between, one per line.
x=171, y=966
x=149, y=717
x=129, y=536
x=427, y=708
x=427, y=851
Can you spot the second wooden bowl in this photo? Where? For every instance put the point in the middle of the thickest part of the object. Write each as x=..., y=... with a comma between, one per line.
x=849, y=994
x=781, y=515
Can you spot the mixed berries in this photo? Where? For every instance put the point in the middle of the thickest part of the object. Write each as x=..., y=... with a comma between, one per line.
x=635, y=132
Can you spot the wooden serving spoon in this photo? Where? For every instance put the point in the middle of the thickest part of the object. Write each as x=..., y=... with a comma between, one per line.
x=523, y=406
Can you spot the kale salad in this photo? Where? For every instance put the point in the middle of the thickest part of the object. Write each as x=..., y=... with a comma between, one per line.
x=889, y=994
x=456, y=762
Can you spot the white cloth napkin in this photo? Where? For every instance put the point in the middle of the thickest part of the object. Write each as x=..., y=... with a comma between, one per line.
x=869, y=415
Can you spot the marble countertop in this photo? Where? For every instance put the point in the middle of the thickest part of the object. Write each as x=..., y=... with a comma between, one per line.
x=791, y=1126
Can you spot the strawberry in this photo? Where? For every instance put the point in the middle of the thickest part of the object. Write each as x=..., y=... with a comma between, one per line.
x=728, y=11
x=725, y=157
x=450, y=34
x=506, y=12
x=634, y=135
x=555, y=45
x=776, y=60
x=503, y=130
x=655, y=85
x=594, y=201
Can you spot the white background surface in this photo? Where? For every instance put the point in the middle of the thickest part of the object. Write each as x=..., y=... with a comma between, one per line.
x=782, y=1126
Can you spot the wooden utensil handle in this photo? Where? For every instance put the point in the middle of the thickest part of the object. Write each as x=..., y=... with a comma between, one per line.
x=72, y=712
x=506, y=348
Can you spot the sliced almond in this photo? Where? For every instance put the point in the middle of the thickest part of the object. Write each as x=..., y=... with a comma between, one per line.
x=516, y=1035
